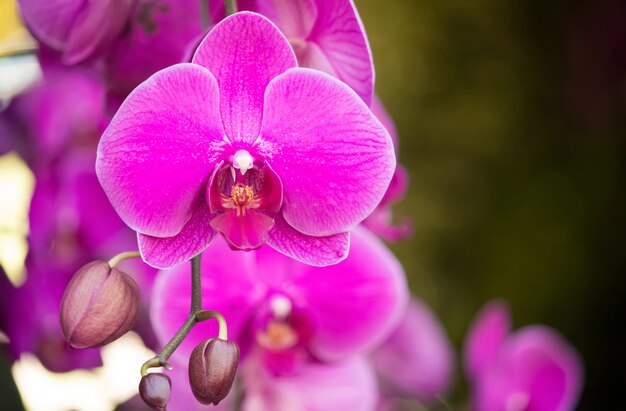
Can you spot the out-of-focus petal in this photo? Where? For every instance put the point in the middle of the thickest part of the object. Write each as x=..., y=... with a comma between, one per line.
x=244, y=52
x=334, y=158
x=95, y=28
x=536, y=370
x=348, y=385
x=340, y=34
x=485, y=338
x=50, y=20
x=295, y=18
x=167, y=252
x=356, y=303
x=417, y=361
x=157, y=154
x=315, y=251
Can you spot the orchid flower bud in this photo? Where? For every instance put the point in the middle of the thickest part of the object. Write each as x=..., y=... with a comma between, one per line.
x=100, y=305
x=212, y=367
x=155, y=389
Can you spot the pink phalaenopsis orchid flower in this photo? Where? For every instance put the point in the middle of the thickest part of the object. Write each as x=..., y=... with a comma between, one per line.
x=326, y=35
x=530, y=369
x=285, y=312
x=243, y=143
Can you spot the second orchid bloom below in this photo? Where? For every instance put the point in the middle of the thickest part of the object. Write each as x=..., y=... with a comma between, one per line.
x=243, y=143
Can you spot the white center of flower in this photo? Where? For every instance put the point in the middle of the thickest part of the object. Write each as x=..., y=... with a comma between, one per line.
x=518, y=401
x=281, y=306
x=243, y=161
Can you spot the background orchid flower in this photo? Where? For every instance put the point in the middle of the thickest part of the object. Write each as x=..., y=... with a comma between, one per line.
x=326, y=35
x=417, y=360
x=80, y=30
x=381, y=220
x=531, y=369
x=286, y=313
x=242, y=143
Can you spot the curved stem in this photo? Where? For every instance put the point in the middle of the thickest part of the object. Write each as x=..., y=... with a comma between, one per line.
x=196, y=315
x=221, y=321
x=204, y=14
x=230, y=6
x=123, y=256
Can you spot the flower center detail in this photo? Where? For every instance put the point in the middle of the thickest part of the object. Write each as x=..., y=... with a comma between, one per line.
x=241, y=195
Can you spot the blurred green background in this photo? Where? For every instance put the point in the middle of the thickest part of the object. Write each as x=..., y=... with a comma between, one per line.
x=511, y=116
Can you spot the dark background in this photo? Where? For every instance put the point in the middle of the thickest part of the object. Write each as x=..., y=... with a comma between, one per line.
x=511, y=116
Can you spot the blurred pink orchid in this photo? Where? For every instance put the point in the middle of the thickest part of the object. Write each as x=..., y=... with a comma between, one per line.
x=531, y=369
x=79, y=30
x=417, y=360
x=285, y=313
x=289, y=156
x=326, y=35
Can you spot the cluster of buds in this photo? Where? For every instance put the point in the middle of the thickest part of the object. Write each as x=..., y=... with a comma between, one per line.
x=101, y=303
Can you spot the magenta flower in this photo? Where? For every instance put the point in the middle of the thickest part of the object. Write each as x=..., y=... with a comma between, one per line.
x=80, y=30
x=242, y=143
x=326, y=35
x=417, y=360
x=531, y=369
x=285, y=312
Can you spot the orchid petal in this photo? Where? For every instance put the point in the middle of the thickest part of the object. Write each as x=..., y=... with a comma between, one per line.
x=244, y=52
x=348, y=385
x=486, y=336
x=340, y=34
x=156, y=156
x=355, y=303
x=417, y=361
x=167, y=252
x=295, y=18
x=50, y=21
x=315, y=251
x=333, y=156
x=248, y=231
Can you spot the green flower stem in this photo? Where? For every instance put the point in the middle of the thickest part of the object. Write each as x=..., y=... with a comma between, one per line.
x=230, y=6
x=123, y=256
x=196, y=315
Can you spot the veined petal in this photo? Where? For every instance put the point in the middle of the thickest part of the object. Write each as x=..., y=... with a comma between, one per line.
x=228, y=286
x=341, y=36
x=168, y=252
x=156, y=156
x=334, y=158
x=357, y=302
x=244, y=52
x=487, y=334
x=348, y=385
x=315, y=251
x=245, y=232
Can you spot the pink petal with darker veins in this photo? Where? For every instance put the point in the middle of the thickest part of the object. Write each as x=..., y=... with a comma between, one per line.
x=157, y=154
x=315, y=251
x=333, y=156
x=195, y=236
x=244, y=52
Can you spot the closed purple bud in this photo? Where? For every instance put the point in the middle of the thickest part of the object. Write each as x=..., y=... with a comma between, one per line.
x=155, y=389
x=212, y=368
x=100, y=305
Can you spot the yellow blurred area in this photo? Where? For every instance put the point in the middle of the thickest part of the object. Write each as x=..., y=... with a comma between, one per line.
x=13, y=37
x=16, y=188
